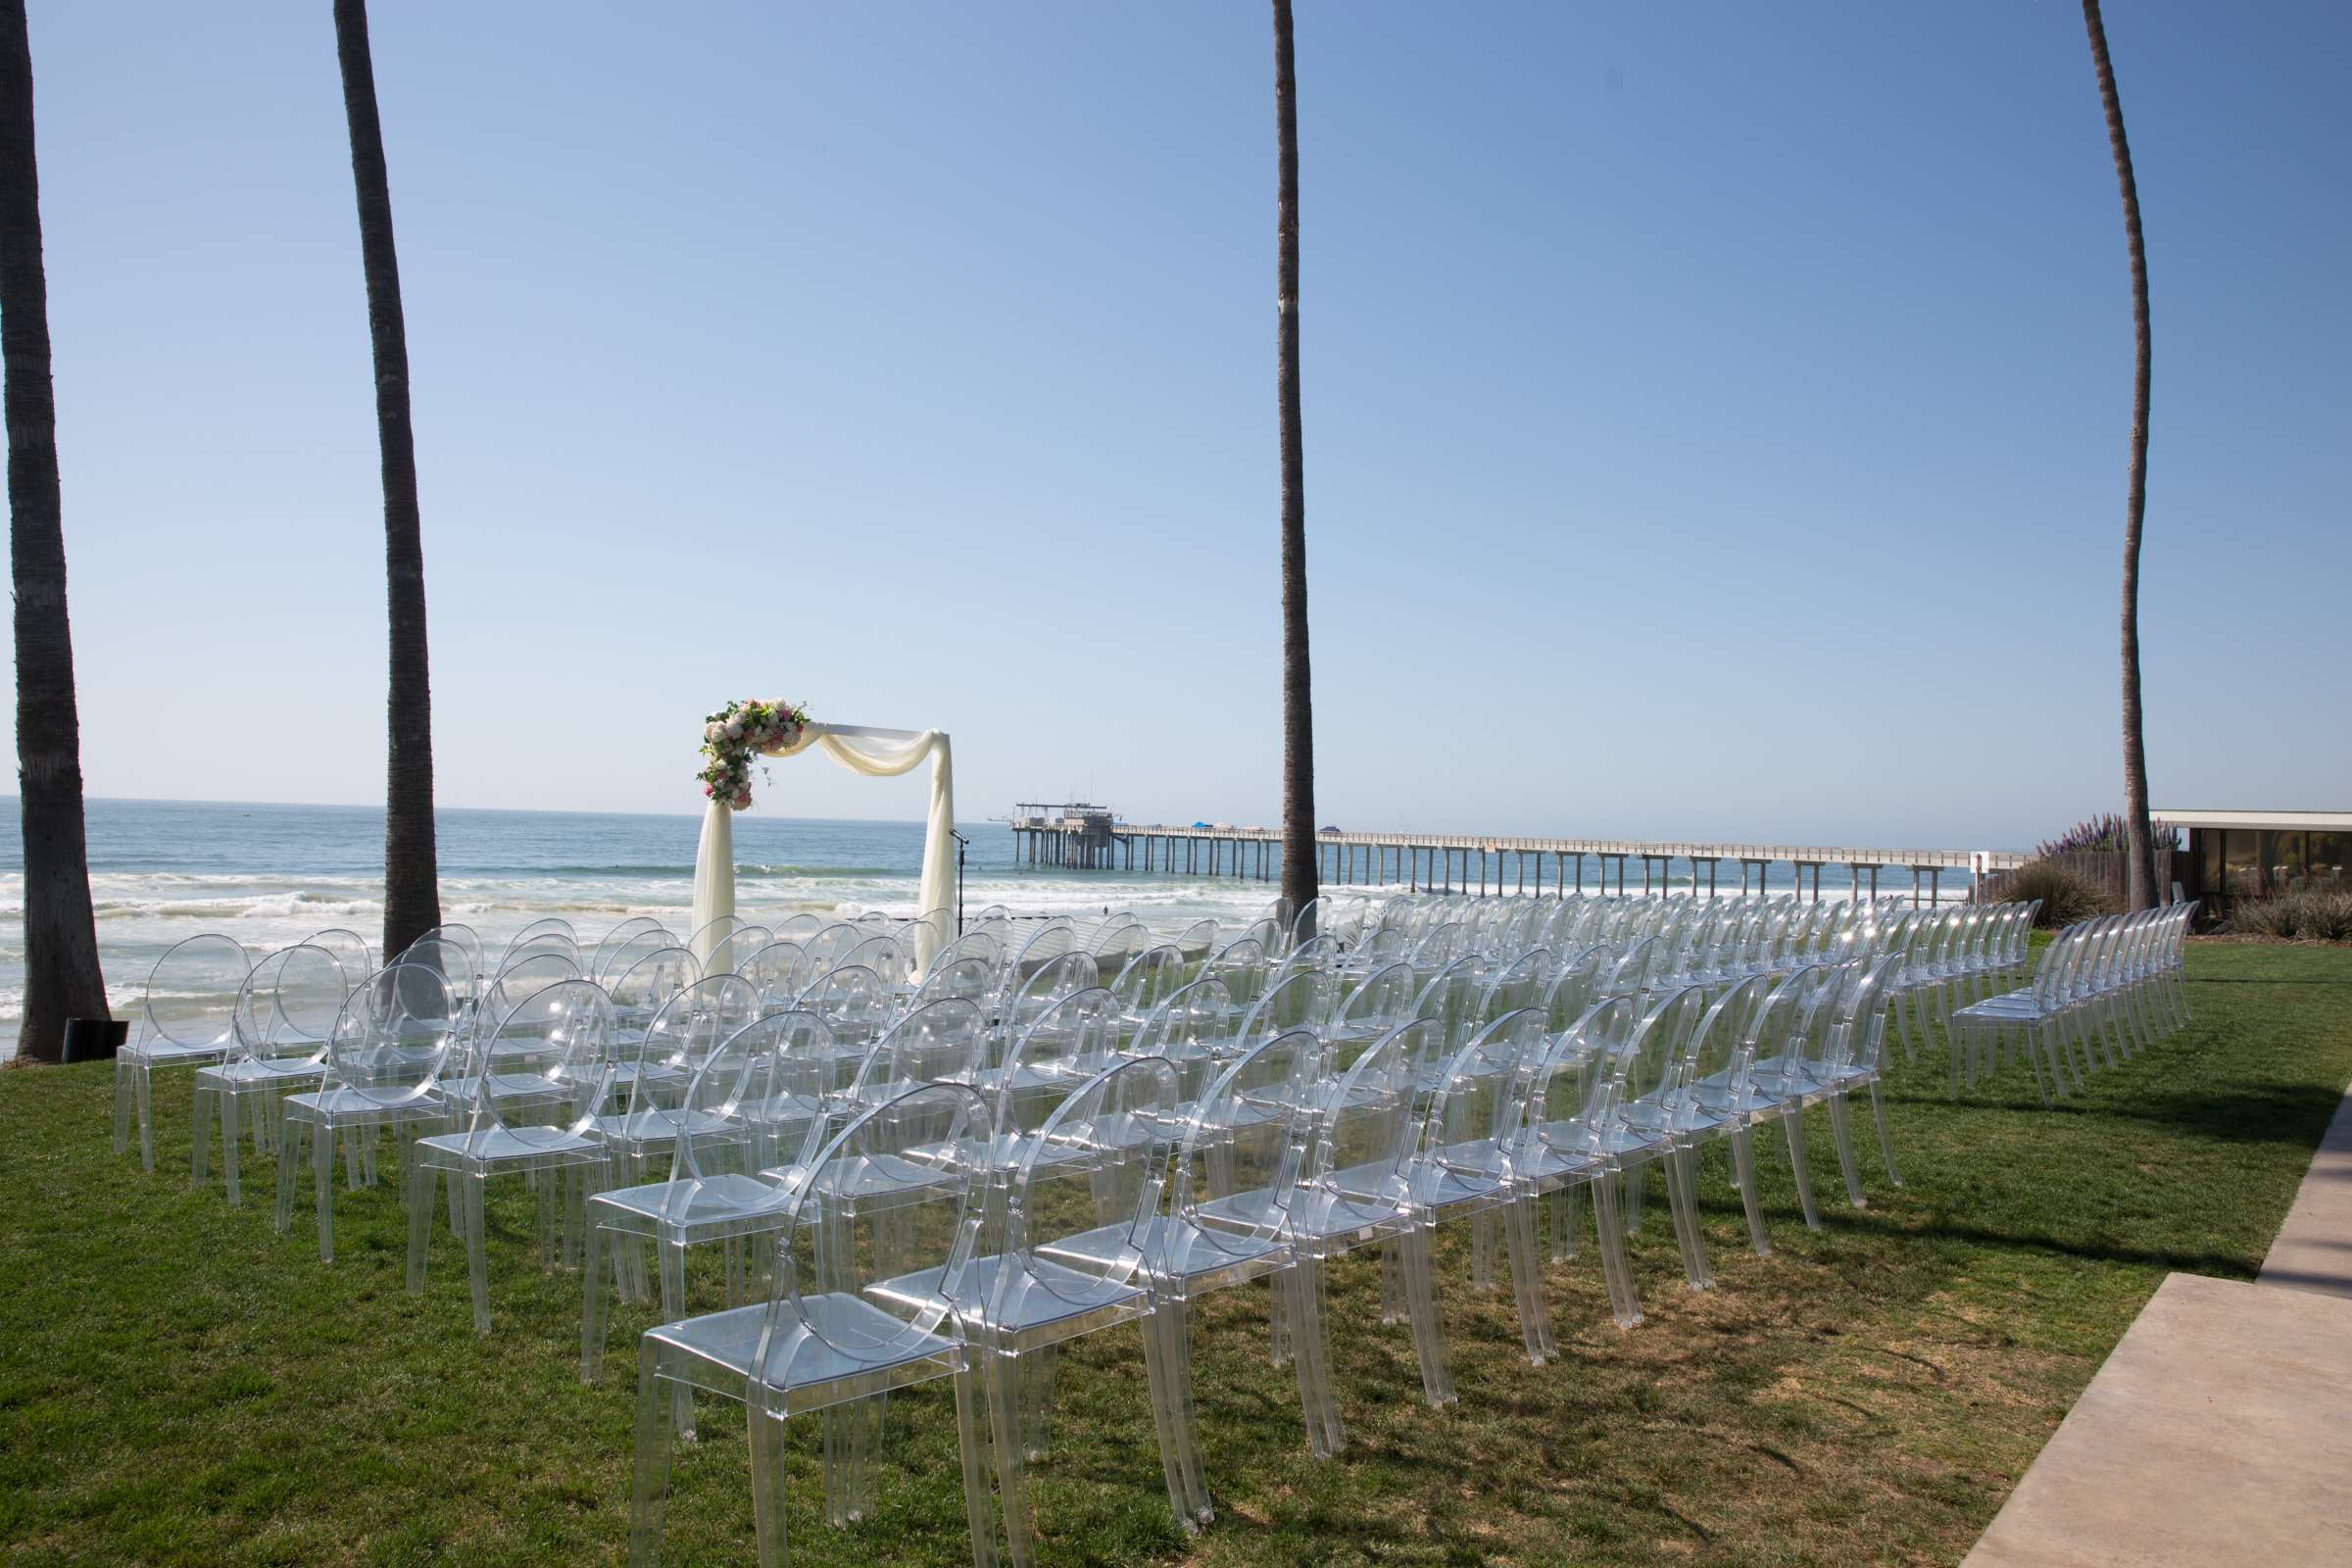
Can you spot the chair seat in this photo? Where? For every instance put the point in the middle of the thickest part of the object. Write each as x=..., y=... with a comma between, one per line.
x=343, y=1104
x=251, y=1072
x=1012, y=1296
x=657, y=1126
x=812, y=1347
x=494, y=1146
x=699, y=1201
x=172, y=1053
x=1175, y=1249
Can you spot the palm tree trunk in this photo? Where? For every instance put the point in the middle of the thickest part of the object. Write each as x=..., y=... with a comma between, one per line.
x=1298, y=872
x=62, y=977
x=411, y=877
x=2140, y=857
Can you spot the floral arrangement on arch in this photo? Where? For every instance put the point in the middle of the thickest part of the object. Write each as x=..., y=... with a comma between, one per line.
x=739, y=732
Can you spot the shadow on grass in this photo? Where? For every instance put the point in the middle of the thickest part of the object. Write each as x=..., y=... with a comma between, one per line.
x=2260, y=1114
x=2220, y=1265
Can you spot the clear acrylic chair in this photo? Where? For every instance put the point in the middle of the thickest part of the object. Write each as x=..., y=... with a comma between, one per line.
x=1566, y=1143
x=1463, y=1169
x=350, y=949
x=773, y=970
x=711, y=934
x=1371, y=1005
x=971, y=978
x=887, y=956
x=1094, y=1174
x=285, y=1013
x=1244, y=1142
x=1354, y=1190
x=552, y=935
x=548, y=1135
x=826, y=1336
x=1857, y=1046
x=1145, y=981
x=614, y=959
x=599, y=962
x=383, y=1060
x=1043, y=987
x=652, y=1067
x=186, y=1018
x=1193, y=1030
x=730, y=952
x=857, y=1005
x=1242, y=965
x=739, y=1140
x=1783, y=1072
x=1302, y=1000
x=463, y=939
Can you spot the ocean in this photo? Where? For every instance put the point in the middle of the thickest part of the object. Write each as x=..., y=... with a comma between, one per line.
x=270, y=875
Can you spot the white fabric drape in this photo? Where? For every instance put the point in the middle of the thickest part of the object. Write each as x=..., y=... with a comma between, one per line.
x=877, y=754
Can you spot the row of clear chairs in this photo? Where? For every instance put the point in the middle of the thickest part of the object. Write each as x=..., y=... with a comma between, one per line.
x=1277, y=1101
x=1079, y=1185
x=1178, y=994
x=2104, y=990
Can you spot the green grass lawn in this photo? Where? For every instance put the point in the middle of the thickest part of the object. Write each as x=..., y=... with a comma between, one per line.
x=180, y=1384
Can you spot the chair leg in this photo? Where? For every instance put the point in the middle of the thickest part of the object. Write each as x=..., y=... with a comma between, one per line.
x=1304, y=1279
x=594, y=1305
x=1164, y=1418
x=478, y=1248
x=767, y=1474
x=670, y=1254
x=124, y=1063
x=1792, y=1123
x=200, y=1134
x=323, y=1173
x=648, y=1492
x=1177, y=1357
x=1520, y=1250
x=1682, y=1198
x=1392, y=1284
x=1037, y=1371
x=1878, y=1111
x=290, y=1135
x=971, y=1439
x=1567, y=1224
x=141, y=1080
x=1012, y=1479
x=1429, y=1332
x=1841, y=1130
x=1616, y=1270
x=229, y=1153
x=421, y=1219
x=1743, y=1160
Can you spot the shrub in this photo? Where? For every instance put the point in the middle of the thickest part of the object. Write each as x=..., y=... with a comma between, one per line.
x=2304, y=914
x=2107, y=832
x=2064, y=897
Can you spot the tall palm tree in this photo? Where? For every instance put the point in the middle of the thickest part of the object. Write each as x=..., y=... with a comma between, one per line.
x=1298, y=870
x=412, y=874
x=2140, y=850
x=62, y=978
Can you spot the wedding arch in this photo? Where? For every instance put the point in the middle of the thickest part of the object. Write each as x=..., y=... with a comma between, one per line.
x=743, y=731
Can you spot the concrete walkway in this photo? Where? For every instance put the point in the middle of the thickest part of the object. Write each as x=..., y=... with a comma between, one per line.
x=2220, y=1430
x=2314, y=1248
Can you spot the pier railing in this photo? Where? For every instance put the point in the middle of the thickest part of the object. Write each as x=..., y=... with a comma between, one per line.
x=1477, y=862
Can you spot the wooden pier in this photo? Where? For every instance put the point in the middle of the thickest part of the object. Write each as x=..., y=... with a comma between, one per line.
x=1467, y=863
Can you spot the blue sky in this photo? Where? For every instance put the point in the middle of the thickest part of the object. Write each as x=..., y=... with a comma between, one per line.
x=1715, y=415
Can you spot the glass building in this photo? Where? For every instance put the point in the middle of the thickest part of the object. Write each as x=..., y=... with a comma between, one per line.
x=2252, y=855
